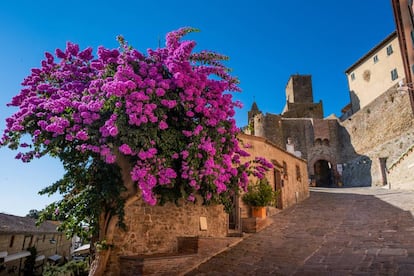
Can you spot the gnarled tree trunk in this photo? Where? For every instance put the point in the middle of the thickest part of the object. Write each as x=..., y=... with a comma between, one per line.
x=108, y=223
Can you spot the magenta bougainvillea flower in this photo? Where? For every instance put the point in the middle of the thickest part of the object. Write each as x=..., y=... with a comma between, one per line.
x=169, y=110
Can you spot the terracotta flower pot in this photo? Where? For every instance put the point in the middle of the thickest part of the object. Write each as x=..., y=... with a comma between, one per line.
x=259, y=212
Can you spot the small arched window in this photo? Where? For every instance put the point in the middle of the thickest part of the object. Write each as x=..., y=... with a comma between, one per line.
x=285, y=172
x=11, y=241
x=298, y=176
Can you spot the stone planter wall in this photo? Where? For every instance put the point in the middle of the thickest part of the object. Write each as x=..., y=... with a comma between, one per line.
x=152, y=230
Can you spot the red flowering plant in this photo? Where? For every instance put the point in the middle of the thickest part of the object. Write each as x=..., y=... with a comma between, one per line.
x=159, y=125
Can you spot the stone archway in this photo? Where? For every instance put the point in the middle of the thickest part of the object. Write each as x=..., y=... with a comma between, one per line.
x=323, y=173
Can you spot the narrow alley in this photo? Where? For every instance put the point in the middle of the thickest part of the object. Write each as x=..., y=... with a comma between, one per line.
x=348, y=231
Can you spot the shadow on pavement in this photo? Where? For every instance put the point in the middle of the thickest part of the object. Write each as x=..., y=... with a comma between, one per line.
x=362, y=231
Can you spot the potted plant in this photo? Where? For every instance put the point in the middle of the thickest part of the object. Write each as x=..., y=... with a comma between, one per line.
x=258, y=196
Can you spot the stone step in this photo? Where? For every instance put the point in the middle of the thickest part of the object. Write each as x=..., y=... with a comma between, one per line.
x=191, y=252
x=235, y=234
x=157, y=264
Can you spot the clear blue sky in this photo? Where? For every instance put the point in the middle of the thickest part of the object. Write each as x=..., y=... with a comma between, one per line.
x=266, y=40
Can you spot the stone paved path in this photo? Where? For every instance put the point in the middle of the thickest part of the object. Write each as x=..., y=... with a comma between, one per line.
x=349, y=231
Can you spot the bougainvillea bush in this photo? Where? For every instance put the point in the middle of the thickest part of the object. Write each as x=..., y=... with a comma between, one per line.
x=168, y=113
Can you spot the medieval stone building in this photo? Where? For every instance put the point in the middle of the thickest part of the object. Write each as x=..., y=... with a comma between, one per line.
x=372, y=143
x=302, y=130
x=359, y=150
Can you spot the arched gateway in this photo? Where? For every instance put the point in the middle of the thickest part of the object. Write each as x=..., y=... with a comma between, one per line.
x=323, y=173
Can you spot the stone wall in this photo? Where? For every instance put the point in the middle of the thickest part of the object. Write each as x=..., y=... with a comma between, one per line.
x=303, y=110
x=400, y=174
x=357, y=172
x=155, y=229
x=386, y=118
x=382, y=129
x=300, y=132
x=391, y=150
x=269, y=126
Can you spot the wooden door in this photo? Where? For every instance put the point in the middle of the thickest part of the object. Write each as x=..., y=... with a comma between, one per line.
x=278, y=188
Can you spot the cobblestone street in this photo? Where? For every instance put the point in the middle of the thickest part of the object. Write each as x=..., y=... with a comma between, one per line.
x=348, y=231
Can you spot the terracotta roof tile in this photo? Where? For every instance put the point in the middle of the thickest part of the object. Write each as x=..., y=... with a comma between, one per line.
x=15, y=224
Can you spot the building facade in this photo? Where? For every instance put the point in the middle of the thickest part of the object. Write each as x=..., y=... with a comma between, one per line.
x=375, y=72
x=289, y=176
x=17, y=234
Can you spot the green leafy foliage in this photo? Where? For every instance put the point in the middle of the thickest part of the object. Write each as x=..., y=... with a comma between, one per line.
x=89, y=187
x=260, y=194
x=72, y=268
x=33, y=213
x=30, y=261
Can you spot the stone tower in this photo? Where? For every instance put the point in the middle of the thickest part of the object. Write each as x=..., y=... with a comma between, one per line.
x=254, y=110
x=299, y=89
x=301, y=130
x=299, y=99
